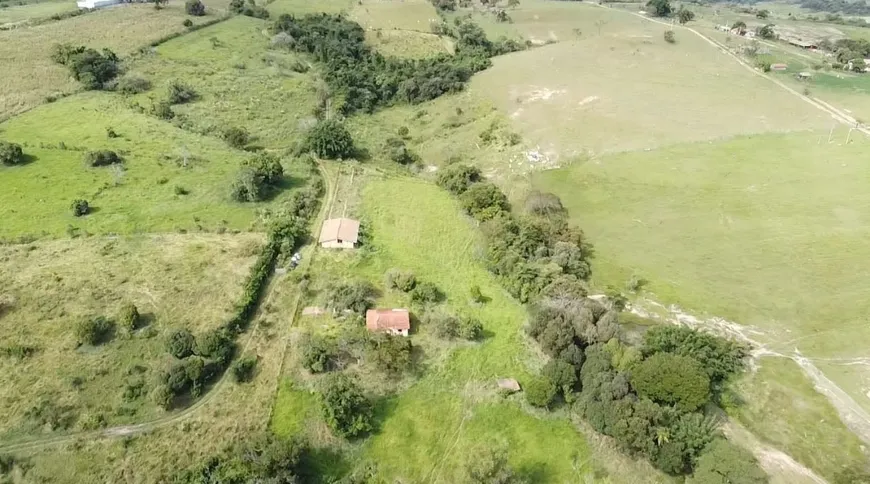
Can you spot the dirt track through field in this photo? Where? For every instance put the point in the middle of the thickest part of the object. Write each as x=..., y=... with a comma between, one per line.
x=30, y=444
x=836, y=113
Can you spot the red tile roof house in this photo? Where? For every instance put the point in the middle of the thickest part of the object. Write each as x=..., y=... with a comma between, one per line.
x=392, y=321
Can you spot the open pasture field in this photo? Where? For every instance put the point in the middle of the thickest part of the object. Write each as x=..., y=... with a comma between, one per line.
x=305, y=7
x=124, y=29
x=239, y=80
x=14, y=14
x=453, y=410
x=415, y=15
x=161, y=162
x=47, y=288
x=625, y=88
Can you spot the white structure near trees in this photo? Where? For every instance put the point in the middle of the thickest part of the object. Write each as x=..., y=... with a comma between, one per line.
x=96, y=3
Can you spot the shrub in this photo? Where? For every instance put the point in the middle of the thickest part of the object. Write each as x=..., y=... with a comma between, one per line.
x=331, y=140
x=80, y=207
x=236, y=137
x=195, y=8
x=180, y=93
x=217, y=345
x=248, y=186
x=670, y=37
x=660, y=8
x=540, y=392
x=448, y=326
x=457, y=178
x=248, y=8
x=426, y=292
x=267, y=166
x=673, y=380
x=243, y=369
x=162, y=110
x=723, y=461
x=187, y=23
x=180, y=343
x=476, y=295
x=544, y=204
x=403, y=131
x=102, y=158
x=389, y=353
x=353, y=296
x=180, y=190
x=562, y=374
x=93, y=69
x=346, y=410
x=400, y=280
x=129, y=317
x=490, y=466
x=720, y=358
x=94, y=331
x=11, y=153
x=319, y=354
x=484, y=201
x=396, y=151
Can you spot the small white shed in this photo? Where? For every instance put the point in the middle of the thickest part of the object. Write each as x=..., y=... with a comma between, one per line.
x=96, y=3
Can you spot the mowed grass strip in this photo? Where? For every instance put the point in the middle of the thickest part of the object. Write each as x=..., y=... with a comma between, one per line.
x=30, y=75
x=175, y=281
x=142, y=196
x=614, y=84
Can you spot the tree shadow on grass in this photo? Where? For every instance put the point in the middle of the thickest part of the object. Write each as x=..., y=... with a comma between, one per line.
x=323, y=465
x=383, y=408
x=537, y=473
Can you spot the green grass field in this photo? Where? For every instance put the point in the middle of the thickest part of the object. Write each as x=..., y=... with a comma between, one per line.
x=175, y=281
x=124, y=29
x=395, y=14
x=24, y=13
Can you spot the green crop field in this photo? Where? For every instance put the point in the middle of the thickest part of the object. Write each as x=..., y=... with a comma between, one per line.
x=23, y=13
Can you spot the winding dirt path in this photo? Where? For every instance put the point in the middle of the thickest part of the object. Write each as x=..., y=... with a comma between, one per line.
x=30, y=444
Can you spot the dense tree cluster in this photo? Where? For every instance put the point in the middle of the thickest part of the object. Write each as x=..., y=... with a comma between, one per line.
x=365, y=80
x=264, y=459
x=257, y=178
x=92, y=68
x=660, y=8
x=248, y=8
x=457, y=178
x=352, y=296
x=846, y=50
x=848, y=7
x=391, y=354
x=194, y=7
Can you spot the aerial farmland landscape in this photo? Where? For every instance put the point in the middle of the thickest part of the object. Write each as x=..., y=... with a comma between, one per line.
x=446, y=241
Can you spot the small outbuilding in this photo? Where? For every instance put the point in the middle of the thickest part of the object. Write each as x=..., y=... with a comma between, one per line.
x=339, y=233
x=91, y=4
x=392, y=321
x=779, y=67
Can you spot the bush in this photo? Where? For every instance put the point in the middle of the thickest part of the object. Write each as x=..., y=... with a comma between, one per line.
x=133, y=85
x=562, y=374
x=180, y=343
x=723, y=461
x=544, y=204
x=93, y=69
x=80, y=207
x=448, y=326
x=331, y=140
x=490, y=466
x=162, y=110
x=248, y=8
x=195, y=8
x=720, y=358
x=102, y=158
x=319, y=354
x=187, y=23
x=243, y=369
x=426, y=292
x=476, y=295
x=180, y=93
x=11, y=153
x=540, y=392
x=248, y=186
x=346, y=410
x=396, y=151
x=670, y=37
x=236, y=137
x=267, y=166
x=400, y=280
x=484, y=201
x=389, y=353
x=129, y=317
x=217, y=345
x=457, y=178
x=673, y=380
x=94, y=331
x=355, y=296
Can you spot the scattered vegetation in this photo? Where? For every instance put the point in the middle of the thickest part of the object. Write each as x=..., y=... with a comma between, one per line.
x=248, y=8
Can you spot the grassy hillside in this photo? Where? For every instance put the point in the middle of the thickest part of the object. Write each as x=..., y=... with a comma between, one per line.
x=49, y=287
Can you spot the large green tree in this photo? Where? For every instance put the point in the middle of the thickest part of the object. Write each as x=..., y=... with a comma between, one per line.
x=724, y=463
x=673, y=380
x=660, y=8
x=346, y=410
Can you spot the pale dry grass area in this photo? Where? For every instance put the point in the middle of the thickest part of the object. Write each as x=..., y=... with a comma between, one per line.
x=123, y=29
x=614, y=84
x=175, y=281
x=395, y=14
